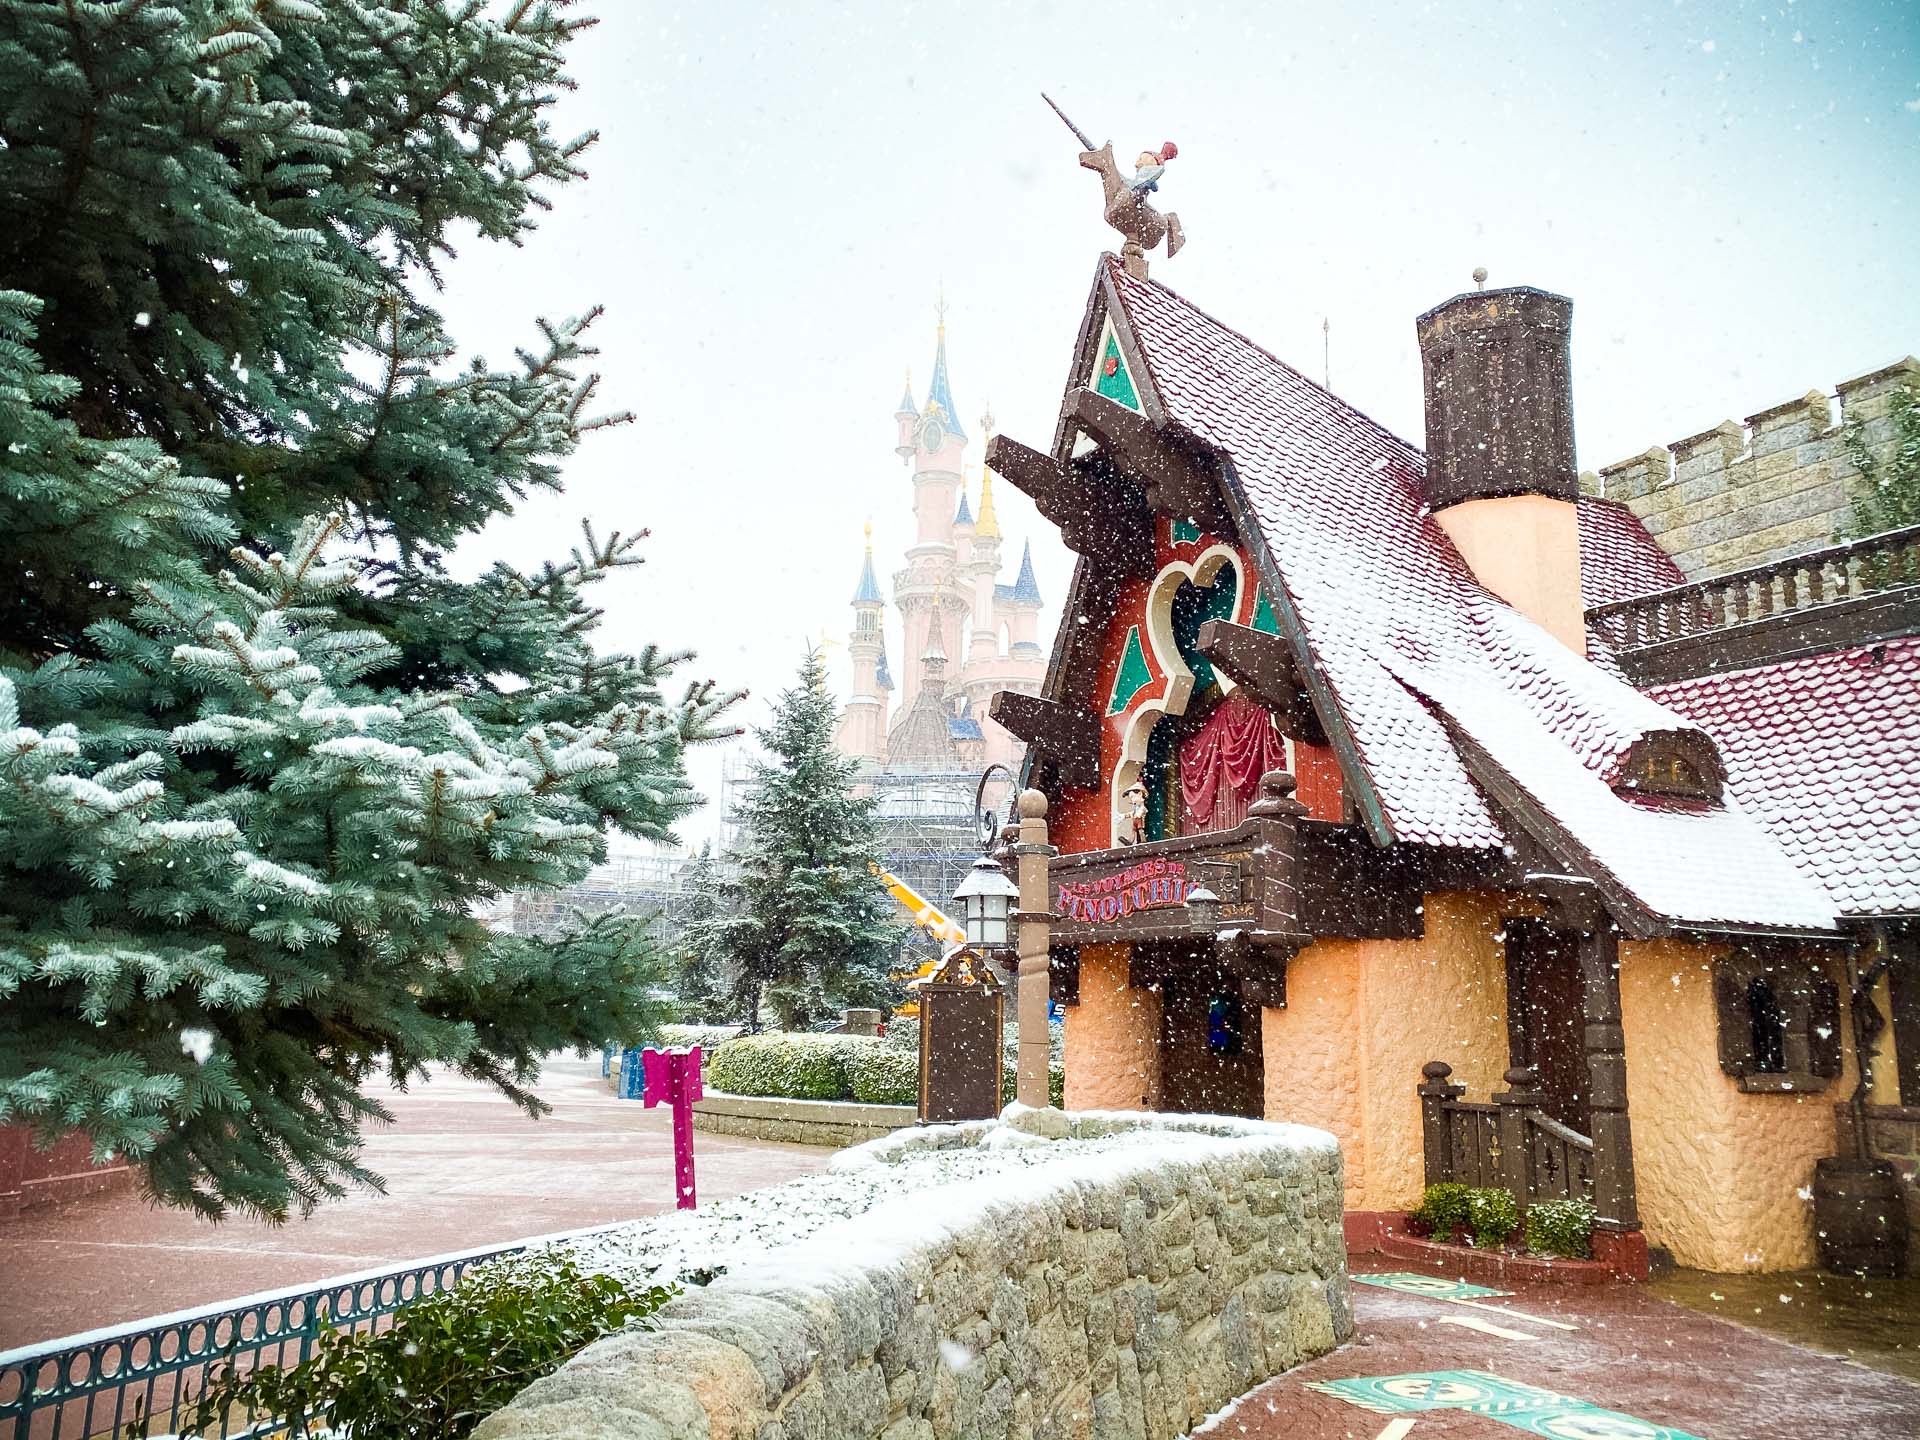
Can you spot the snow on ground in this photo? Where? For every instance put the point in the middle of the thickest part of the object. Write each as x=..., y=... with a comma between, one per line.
x=695, y=1245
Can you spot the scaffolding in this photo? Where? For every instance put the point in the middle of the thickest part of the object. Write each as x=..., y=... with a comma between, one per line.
x=650, y=882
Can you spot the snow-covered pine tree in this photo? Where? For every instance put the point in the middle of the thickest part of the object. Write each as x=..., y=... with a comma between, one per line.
x=803, y=924
x=700, y=985
x=262, y=752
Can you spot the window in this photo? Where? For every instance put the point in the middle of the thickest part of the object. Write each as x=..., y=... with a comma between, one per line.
x=1223, y=1023
x=1676, y=765
x=1779, y=1021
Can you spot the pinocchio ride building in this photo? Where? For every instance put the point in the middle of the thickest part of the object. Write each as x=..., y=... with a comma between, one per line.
x=1501, y=862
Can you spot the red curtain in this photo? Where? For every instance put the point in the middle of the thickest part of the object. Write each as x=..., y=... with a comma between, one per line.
x=1221, y=764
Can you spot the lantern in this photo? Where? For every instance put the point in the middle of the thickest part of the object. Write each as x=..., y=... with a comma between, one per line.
x=1203, y=909
x=985, y=899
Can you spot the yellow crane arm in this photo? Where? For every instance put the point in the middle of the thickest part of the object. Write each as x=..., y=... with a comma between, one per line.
x=925, y=915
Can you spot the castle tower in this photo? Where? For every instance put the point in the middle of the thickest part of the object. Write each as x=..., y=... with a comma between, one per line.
x=933, y=441
x=863, y=724
x=966, y=636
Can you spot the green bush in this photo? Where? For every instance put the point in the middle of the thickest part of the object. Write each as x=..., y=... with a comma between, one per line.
x=1561, y=1227
x=447, y=1362
x=791, y=1066
x=1443, y=1209
x=884, y=1075
x=1492, y=1216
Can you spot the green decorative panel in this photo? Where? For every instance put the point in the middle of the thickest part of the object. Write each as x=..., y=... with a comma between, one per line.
x=1263, y=616
x=1134, y=675
x=1185, y=532
x=1111, y=378
x=1527, y=1408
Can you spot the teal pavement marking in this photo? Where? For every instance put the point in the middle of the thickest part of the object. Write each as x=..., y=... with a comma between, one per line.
x=1545, y=1413
x=1434, y=1287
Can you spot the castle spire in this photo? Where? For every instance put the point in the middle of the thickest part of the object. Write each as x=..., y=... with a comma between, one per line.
x=908, y=410
x=1026, y=589
x=868, y=591
x=987, y=527
x=940, y=392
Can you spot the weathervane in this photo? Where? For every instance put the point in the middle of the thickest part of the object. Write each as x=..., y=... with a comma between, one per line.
x=1127, y=209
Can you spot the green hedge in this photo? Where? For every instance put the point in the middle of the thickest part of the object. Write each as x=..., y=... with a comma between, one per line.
x=882, y=1074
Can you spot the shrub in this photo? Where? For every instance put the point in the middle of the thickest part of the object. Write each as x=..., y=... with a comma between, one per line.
x=1492, y=1216
x=790, y=1065
x=1443, y=1210
x=882, y=1074
x=448, y=1360
x=1561, y=1227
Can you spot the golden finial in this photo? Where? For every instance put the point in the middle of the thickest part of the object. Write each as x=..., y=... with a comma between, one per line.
x=940, y=304
x=986, y=424
x=869, y=528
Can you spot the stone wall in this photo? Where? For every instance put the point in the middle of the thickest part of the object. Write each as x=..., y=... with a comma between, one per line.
x=801, y=1122
x=1128, y=1293
x=1779, y=485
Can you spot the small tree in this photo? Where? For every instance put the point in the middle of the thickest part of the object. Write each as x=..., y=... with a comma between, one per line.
x=805, y=924
x=1889, y=496
x=700, y=984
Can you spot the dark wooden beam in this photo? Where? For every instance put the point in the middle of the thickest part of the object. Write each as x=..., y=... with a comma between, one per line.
x=1177, y=475
x=1265, y=666
x=1099, y=514
x=1858, y=623
x=1069, y=735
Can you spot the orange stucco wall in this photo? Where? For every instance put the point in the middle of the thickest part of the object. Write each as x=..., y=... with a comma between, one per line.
x=1724, y=1179
x=1112, y=1037
x=1363, y=1016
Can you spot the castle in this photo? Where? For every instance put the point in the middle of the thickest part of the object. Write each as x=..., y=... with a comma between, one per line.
x=965, y=634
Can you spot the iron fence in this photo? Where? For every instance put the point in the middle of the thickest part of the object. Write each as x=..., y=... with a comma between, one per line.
x=136, y=1380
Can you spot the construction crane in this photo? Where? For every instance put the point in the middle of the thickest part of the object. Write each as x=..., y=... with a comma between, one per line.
x=920, y=910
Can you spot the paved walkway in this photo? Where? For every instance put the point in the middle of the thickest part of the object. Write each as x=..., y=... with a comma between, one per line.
x=463, y=1168
x=1662, y=1371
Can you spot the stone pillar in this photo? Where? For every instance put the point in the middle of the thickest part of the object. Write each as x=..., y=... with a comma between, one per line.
x=1605, y=1039
x=1036, y=924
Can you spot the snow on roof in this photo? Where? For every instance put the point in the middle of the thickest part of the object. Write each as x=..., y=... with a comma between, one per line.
x=1392, y=614
x=1618, y=558
x=1825, y=752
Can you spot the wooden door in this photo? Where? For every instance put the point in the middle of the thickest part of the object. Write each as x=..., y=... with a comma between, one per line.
x=1210, y=1054
x=1546, y=1018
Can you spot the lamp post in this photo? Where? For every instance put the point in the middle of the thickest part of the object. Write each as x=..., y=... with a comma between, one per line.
x=985, y=899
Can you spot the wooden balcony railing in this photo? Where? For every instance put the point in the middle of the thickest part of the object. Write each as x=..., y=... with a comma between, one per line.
x=1852, y=572
x=1511, y=1144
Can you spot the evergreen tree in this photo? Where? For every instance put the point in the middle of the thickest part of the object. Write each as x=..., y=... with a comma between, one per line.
x=804, y=925
x=263, y=753
x=1889, y=497
x=701, y=987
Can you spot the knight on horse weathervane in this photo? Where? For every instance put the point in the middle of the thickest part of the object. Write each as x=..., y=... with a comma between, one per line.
x=1127, y=209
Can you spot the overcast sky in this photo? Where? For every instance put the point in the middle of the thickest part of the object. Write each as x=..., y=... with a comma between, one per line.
x=1728, y=191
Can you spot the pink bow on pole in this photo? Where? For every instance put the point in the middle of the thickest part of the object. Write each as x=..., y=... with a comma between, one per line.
x=674, y=1076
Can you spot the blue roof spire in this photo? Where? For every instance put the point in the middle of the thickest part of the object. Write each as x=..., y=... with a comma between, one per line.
x=881, y=675
x=964, y=515
x=940, y=392
x=868, y=592
x=1026, y=589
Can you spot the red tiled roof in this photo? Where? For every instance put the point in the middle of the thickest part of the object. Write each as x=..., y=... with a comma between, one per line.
x=1825, y=752
x=1407, y=638
x=1618, y=558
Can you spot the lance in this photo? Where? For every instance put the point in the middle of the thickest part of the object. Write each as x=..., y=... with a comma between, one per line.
x=1078, y=133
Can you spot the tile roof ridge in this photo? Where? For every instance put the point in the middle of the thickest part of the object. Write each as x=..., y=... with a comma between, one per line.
x=1119, y=273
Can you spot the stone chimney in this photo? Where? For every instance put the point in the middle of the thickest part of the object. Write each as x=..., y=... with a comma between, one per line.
x=1500, y=472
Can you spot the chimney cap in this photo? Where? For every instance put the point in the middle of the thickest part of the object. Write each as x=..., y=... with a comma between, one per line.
x=1491, y=309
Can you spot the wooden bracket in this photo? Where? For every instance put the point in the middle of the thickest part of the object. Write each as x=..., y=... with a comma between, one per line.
x=1069, y=737
x=1178, y=477
x=1264, y=665
x=1098, y=513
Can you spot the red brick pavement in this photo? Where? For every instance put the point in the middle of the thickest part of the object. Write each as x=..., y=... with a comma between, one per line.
x=1632, y=1353
x=463, y=1168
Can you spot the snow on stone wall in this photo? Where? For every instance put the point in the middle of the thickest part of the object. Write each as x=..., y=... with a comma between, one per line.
x=1123, y=1275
